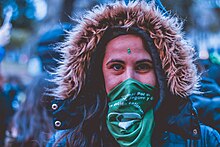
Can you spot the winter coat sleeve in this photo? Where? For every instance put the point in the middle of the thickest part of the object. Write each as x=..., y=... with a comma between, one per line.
x=209, y=137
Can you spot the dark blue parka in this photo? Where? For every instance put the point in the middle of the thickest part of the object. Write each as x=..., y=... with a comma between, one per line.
x=81, y=103
x=179, y=130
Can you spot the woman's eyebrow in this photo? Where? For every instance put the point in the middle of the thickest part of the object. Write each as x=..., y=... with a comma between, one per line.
x=115, y=60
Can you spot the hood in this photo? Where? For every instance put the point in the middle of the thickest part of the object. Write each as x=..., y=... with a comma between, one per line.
x=176, y=55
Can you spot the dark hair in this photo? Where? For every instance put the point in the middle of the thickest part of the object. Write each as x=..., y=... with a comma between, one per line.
x=32, y=122
x=91, y=129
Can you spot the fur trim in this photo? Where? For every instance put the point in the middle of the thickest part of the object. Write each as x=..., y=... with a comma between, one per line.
x=175, y=53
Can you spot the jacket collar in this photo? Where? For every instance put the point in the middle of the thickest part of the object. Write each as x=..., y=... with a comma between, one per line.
x=178, y=117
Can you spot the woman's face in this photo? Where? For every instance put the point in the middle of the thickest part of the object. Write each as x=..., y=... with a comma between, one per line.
x=126, y=58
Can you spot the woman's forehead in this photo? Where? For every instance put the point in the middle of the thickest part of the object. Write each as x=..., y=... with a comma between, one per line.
x=128, y=46
x=128, y=39
x=126, y=43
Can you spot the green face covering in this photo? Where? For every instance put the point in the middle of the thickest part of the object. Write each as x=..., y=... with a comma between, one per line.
x=130, y=117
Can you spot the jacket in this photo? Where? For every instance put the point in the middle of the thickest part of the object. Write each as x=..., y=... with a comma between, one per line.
x=169, y=136
x=209, y=138
x=180, y=129
x=78, y=79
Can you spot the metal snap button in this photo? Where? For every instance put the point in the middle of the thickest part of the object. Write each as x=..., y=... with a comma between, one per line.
x=57, y=123
x=54, y=106
x=195, y=132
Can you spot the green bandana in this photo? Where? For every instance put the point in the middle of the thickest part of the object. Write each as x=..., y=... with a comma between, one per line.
x=130, y=117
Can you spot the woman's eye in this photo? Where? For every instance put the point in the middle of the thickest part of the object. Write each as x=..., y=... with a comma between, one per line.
x=117, y=67
x=144, y=67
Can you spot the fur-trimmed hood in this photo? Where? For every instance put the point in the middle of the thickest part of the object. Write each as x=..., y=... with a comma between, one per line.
x=176, y=55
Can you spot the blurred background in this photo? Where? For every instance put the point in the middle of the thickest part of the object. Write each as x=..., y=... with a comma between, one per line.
x=31, y=19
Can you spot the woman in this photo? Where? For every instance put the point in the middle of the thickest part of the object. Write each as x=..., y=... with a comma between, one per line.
x=125, y=80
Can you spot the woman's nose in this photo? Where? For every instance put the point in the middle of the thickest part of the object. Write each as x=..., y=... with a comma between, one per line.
x=129, y=73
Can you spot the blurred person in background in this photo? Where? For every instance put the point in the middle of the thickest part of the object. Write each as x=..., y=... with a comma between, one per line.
x=5, y=35
x=208, y=102
x=205, y=34
x=125, y=79
x=30, y=125
x=12, y=93
x=211, y=66
x=5, y=32
x=48, y=56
